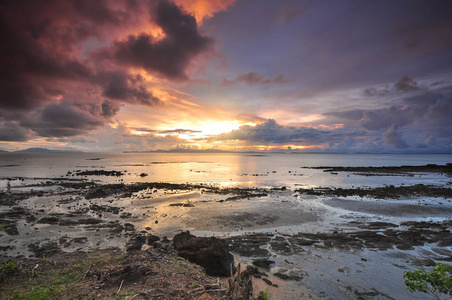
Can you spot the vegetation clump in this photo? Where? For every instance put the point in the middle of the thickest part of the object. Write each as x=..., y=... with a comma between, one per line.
x=7, y=268
x=436, y=283
x=107, y=274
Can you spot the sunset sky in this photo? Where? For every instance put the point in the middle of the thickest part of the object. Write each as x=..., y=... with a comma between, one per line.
x=240, y=75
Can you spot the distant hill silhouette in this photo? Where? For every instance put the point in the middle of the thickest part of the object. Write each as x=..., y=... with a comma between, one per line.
x=43, y=150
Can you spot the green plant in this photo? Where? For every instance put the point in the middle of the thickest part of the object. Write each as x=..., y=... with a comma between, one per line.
x=121, y=297
x=111, y=259
x=1, y=228
x=8, y=268
x=40, y=293
x=435, y=283
x=264, y=295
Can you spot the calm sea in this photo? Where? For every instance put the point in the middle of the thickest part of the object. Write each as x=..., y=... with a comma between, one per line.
x=225, y=169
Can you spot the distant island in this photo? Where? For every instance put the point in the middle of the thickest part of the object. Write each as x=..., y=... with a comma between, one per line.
x=41, y=150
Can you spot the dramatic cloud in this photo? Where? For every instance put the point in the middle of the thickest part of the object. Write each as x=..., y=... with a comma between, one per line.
x=421, y=120
x=404, y=85
x=169, y=56
x=203, y=9
x=12, y=131
x=324, y=76
x=64, y=119
x=128, y=88
x=66, y=67
x=109, y=109
x=270, y=132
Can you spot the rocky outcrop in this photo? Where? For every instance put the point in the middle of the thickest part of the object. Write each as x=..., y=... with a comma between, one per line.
x=135, y=243
x=210, y=253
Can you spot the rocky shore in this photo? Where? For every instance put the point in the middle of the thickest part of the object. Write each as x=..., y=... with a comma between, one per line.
x=295, y=241
x=388, y=170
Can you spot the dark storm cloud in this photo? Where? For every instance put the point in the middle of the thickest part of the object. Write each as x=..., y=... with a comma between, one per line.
x=36, y=50
x=420, y=120
x=169, y=56
x=123, y=86
x=109, y=109
x=270, y=132
x=433, y=116
x=55, y=85
x=12, y=131
x=382, y=118
x=404, y=85
x=68, y=119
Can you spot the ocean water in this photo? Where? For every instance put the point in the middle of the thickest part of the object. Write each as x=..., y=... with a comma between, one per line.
x=225, y=169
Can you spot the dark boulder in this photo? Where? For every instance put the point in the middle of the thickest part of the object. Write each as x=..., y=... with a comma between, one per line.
x=210, y=253
x=263, y=263
x=135, y=243
x=151, y=239
x=44, y=249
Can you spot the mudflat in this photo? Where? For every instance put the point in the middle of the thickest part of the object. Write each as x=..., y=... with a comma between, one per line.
x=319, y=241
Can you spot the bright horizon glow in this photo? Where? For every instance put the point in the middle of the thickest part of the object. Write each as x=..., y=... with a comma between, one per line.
x=205, y=128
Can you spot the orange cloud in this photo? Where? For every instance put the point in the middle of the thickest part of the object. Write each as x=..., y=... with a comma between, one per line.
x=204, y=9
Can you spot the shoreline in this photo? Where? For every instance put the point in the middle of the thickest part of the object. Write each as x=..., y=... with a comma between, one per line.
x=308, y=237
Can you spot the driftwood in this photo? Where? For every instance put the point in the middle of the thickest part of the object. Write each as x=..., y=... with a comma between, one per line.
x=120, y=287
x=89, y=269
x=240, y=285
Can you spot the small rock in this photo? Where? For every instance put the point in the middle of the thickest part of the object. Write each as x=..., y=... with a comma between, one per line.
x=152, y=238
x=424, y=262
x=263, y=263
x=135, y=243
x=212, y=286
